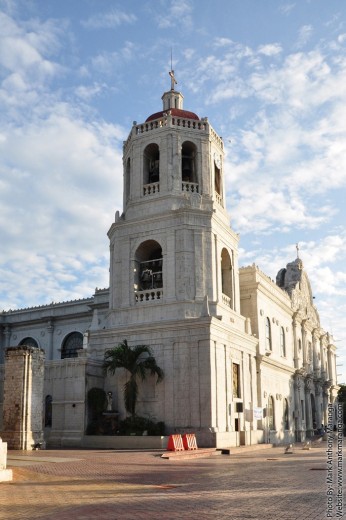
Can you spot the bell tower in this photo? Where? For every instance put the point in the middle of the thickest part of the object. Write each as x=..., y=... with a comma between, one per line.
x=173, y=253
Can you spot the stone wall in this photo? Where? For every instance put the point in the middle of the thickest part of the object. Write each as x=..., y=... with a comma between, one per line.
x=23, y=397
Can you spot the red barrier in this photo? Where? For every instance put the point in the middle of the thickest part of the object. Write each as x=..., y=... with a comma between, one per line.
x=189, y=441
x=175, y=443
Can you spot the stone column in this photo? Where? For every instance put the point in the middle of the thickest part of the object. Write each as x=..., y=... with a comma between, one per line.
x=318, y=405
x=316, y=361
x=308, y=410
x=300, y=407
x=23, y=397
x=305, y=358
x=50, y=330
x=322, y=360
x=227, y=387
x=330, y=374
x=295, y=343
x=325, y=402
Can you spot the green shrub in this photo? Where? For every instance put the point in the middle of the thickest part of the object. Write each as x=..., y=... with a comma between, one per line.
x=138, y=425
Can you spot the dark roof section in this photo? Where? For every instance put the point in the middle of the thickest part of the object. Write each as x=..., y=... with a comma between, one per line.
x=177, y=112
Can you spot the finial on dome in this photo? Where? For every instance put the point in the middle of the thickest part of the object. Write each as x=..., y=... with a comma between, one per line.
x=173, y=80
x=297, y=248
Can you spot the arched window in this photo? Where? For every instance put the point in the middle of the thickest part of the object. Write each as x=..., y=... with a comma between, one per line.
x=217, y=175
x=29, y=342
x=268, y=335
x=188, y=162
x=271, y=417
x=72, y=343
x=236, y=380
x=227, y=277
x=148, y=271
x=282, y=342
x=286, y=415
x=48, y=410
x=151, y=164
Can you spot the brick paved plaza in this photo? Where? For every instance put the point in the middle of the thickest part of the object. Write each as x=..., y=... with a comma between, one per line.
x=111, y=485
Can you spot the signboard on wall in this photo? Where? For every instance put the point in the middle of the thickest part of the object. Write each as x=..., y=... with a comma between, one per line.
x=257, y=414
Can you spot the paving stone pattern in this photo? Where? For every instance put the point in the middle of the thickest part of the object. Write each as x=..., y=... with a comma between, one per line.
x=128, y=485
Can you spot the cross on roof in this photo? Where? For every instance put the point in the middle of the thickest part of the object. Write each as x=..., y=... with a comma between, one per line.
x=173, y=80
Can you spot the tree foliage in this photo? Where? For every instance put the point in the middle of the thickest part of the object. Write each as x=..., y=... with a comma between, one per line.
x=138, y=361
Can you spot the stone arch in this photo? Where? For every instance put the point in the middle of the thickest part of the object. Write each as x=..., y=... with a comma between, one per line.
x=282, y=342
x=29, y=342
x=271, y=413
x=72, y=343
x=217, y=176
x=149, y=266
x=189, y=162
x=227, y=275
x=268, y=334
x=286, y=415
x=151, y=164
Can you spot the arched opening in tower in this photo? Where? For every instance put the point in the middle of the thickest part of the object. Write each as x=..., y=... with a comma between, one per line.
x=188, y=162
x=151, y=164
x=148, y=259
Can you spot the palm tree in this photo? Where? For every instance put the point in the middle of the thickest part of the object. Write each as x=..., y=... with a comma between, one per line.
x=137, y=360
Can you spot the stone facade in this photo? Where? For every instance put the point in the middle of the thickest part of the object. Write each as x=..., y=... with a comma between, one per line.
x=245, y=359
x=294, y=371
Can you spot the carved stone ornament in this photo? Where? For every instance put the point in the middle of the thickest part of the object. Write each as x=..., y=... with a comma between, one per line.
x=308, y=384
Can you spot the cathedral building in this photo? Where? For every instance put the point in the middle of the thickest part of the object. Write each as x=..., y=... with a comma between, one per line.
x=245, y=359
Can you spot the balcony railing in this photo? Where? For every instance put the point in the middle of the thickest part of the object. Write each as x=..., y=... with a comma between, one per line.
x=218, y=198
x=226, y=300
x=148, y=296
x=190, y=187
x=151, y=189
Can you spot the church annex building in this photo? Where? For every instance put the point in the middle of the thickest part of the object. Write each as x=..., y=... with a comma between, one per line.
x=245, y=359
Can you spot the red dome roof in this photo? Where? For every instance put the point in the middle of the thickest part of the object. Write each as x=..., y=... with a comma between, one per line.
x=177, y=112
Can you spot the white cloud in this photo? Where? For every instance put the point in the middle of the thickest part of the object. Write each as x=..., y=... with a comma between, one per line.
x=304, y=36
x=270, y=49
x=108, y=62
x=86, y=92
x=109, y=20
x=179, y=12
x=286, y=8
x=22, y=47
x=47, y=214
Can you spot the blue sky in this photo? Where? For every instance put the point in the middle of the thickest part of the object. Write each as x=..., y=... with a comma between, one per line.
x=270, y=75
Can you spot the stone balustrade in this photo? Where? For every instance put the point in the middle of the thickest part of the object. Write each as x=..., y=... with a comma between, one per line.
x=167, y=120
x=149, y=295
x=190, y=187
x=151, y=189
x=218, y=199
x=170, y=121
x=226, y=300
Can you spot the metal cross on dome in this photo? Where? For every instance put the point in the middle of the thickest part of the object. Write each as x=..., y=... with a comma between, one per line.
x=173, y=80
